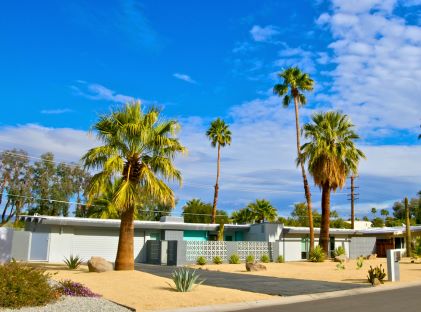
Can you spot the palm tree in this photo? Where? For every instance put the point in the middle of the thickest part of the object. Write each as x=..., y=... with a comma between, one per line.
x=102, y=206
x=139, y=149
x=263, y=210
x=331, y=156
x=296, y=82
x=220, y=135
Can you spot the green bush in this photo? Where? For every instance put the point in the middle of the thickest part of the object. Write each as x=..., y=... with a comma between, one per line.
x=265, y=258
x=234, y=259
x=376, y=273
x=22, y=285
x=340, y=266
x=217, y=260
x=185, y=280
x=317, y=254
x=73, y=262
x=360, y=262
x=201, y=260
x=280, y=259
x=339, y=251
x=250, y=259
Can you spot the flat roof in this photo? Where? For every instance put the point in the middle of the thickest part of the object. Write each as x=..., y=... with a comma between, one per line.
x=399, y=230
x=115, y=223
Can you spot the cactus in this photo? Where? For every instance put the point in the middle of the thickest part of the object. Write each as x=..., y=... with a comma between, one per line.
x=376, y=273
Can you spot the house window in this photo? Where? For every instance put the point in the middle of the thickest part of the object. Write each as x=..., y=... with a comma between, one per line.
x=228, y=238
x=304, y=247
x=399, y=243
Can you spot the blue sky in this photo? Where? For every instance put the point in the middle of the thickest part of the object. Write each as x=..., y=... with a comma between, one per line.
x=63, y=63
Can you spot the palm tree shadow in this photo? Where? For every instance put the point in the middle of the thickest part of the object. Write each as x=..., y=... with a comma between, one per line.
x=355, y=280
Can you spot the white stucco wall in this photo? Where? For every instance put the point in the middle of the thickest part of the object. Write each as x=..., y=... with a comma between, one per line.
x=291, y=249
x=6, y=237
x=85, y=243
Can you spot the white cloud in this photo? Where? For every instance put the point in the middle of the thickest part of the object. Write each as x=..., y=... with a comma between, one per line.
x=377, y=79
x=263, y=34
x=57, y=111
x=184, y=77
x=96, y=91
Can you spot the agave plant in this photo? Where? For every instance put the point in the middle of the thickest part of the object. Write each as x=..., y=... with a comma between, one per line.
x=185, y=280
x=73, y=262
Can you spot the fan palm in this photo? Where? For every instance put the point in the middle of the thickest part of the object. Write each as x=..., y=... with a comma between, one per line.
x=220, y=136
x=102, y=206
x=331, y=155
x=263, y=210
x=138, y=149
x=296, y=82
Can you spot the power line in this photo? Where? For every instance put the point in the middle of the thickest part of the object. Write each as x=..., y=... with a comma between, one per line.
x=195, y=185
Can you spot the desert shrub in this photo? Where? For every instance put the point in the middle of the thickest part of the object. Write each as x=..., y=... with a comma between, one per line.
x=250, y=259
x=265, y=258
x=234, y=259
x=73, y=262
x=70, y=288
x=376, y=273
x=22, y=285
x=185, y=280
x=340, y=266
x=317, y=254
x=360, y=262
x=217, y=260
x=201, y=260
x=339, y=251
x=280, y=259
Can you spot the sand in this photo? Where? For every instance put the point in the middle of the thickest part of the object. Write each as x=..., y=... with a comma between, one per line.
x=324, y=271
x=144, y=291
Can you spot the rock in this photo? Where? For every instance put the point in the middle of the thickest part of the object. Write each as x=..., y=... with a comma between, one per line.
x=341, y=258
x=98, y=264
x=371, y=257
x=376, y=282
x=253, y=267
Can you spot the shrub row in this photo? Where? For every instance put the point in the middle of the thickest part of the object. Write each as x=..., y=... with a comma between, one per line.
x=235, y=259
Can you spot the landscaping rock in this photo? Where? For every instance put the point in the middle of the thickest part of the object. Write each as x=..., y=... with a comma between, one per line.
x=371, y=257
x=253, y=267
x=341, y=258
x=376, y=282
x=98, y=264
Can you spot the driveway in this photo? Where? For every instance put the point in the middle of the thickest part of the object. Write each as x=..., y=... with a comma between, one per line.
x=254, y=283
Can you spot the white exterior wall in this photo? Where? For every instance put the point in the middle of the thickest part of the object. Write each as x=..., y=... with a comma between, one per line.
x=85, y=243
x=291, y=249
x=6, y=238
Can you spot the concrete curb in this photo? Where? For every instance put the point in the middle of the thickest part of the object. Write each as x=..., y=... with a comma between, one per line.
x=292, y=299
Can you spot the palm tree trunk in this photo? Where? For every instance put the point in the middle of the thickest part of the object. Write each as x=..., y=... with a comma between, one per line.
x=125, y=253
x=303, y=173
x=325, y=223
x=407, y=229
x=215, y=196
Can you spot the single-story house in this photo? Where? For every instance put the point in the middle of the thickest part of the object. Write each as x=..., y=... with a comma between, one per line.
x=171, y=241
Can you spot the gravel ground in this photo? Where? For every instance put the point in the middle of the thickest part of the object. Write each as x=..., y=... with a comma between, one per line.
x=75, y=304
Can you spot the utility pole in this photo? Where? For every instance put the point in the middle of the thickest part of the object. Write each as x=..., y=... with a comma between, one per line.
x=352, y=197
x=408, y=229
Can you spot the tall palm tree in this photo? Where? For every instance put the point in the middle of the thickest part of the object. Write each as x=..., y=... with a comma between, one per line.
x=297, y=82
x=139, y=149
x=331, y=155
x=102, y=205
x=263, y=210
x=220, y=135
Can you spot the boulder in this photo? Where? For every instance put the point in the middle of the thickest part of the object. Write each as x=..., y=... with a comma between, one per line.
x=371, y=257
x=253, y=267
x=98, y=264
x=341, y=258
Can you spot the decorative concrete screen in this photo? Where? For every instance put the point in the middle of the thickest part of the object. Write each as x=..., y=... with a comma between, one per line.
x=257, y=249
x=225, y=249
x=209, y=250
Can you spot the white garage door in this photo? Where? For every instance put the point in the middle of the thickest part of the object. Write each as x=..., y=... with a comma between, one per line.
x=100, y=242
